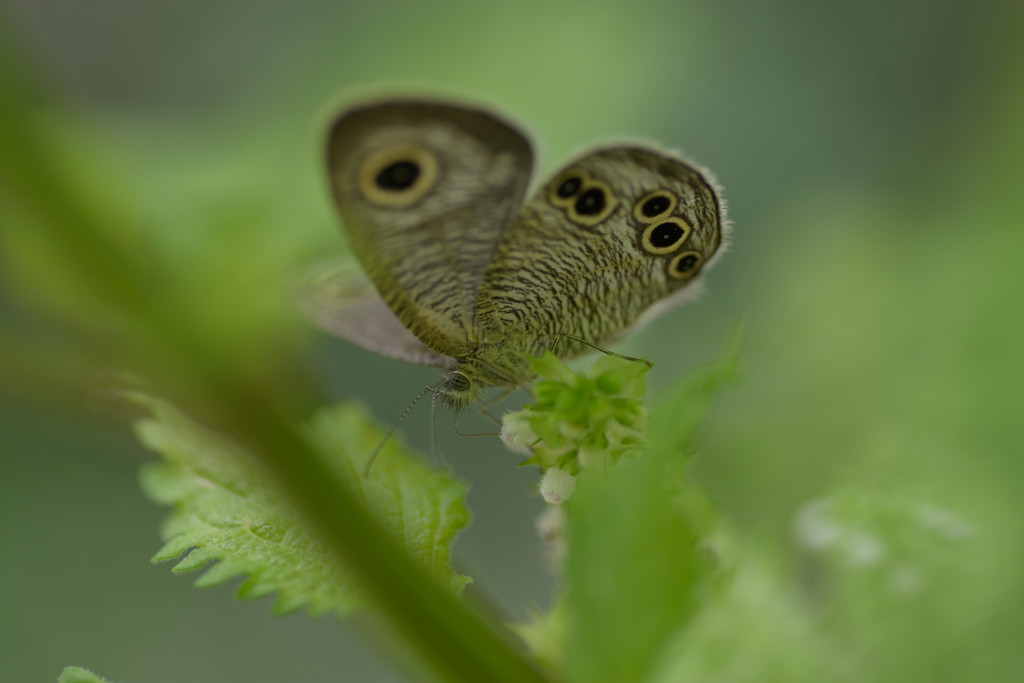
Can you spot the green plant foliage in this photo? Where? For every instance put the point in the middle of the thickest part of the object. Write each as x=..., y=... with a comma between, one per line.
x=870, y=569
x=544, y=635
x=579, y=422
x=866, y=473
x=74, y=674
x=226, y=508
x=752, y=627
x=637, y=558
x=875, y=567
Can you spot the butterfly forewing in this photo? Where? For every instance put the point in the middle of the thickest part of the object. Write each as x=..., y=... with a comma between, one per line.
x=426, y=192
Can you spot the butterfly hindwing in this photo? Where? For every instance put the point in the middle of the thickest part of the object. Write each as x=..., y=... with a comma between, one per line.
x=340, y=300
x=609, y=236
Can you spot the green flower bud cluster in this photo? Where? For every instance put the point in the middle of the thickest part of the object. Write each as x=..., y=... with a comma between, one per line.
x=579, y=422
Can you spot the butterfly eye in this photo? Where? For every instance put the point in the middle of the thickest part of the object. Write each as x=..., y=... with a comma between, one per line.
x=684, y=265
x=654, y=206
x=593, y=205
x=456, y=381
x=398, y=176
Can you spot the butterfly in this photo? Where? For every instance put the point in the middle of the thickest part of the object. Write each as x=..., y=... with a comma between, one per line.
x=469, y=276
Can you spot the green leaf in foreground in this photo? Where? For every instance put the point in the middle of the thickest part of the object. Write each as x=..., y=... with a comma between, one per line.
x=75, y=674
x=875, y=577
x=636, y=563
x=544, y=634
x=227, y=508
x=752, y=628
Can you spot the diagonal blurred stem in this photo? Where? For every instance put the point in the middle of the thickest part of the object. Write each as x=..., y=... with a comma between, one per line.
x=455, y=642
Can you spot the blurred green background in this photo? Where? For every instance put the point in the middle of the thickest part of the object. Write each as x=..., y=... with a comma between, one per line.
x=871, y=155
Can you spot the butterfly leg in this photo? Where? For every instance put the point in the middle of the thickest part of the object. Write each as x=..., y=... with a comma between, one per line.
x=559, y=336
x=456, y=428
x=484, y=409
x=488, y=414
x=498, y=399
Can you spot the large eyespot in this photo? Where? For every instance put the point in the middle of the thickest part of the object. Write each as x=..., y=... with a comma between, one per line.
x=565, y=188
x=655, y=206
x=458, y=382
x=593, y=204
x=398, y=176
x=685, y=265
x=665, y=237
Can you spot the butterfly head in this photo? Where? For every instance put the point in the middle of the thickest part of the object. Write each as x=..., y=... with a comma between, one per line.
x=459, y=388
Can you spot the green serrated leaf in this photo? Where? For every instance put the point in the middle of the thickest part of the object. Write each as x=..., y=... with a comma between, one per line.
x=200, y=557
x=544, y=634
x=164, y=483
x=424, y=508
x=636, y=563
x=173, y=549
x=227, y=509
x=221, y=572
x=76, y=674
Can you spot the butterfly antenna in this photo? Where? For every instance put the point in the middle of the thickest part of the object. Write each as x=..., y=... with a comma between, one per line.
x=435, y=449
x=559, y=336
x=387, y=436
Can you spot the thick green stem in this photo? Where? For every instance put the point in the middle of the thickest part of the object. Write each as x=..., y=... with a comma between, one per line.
x=454, y=641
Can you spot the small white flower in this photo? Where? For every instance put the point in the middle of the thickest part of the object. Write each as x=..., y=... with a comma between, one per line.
x=551, y=529
x=557, y=485
x=516, y=432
